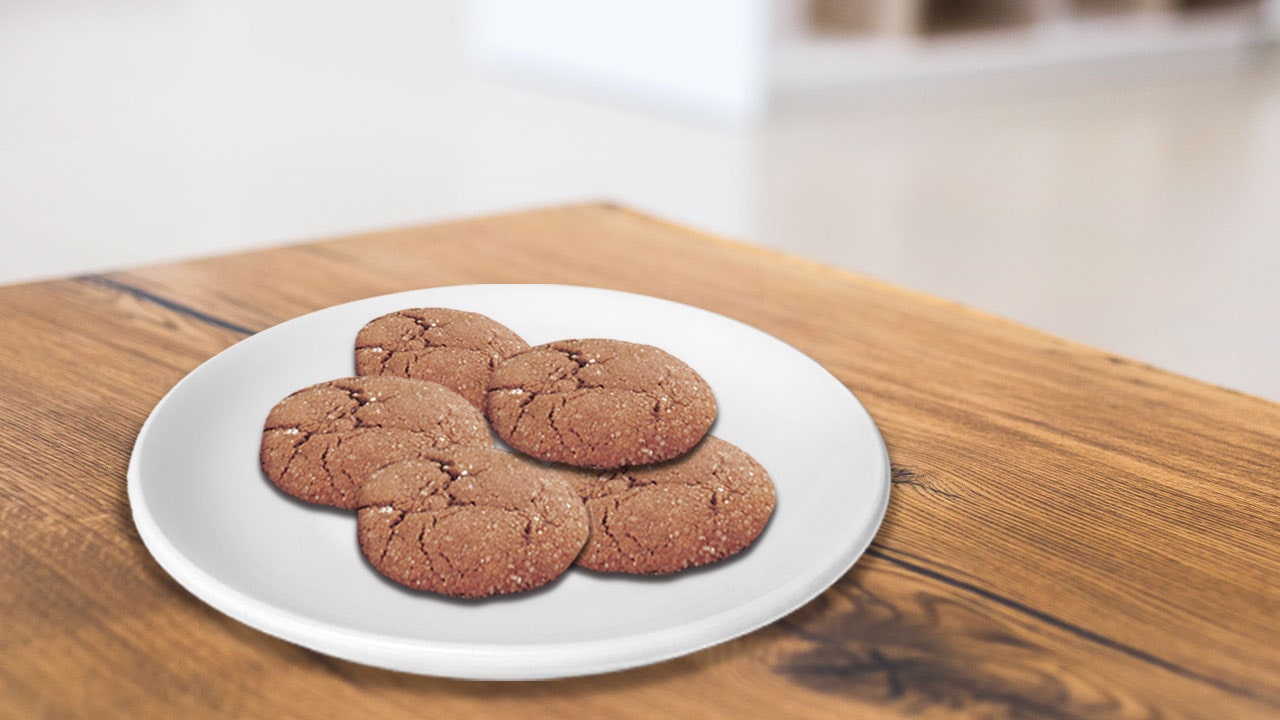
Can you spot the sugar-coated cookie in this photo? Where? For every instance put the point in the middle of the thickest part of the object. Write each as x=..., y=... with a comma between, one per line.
x=320, y=443
x=599, y=403
x=470, y=522
x=654, y=520
x=455, y=348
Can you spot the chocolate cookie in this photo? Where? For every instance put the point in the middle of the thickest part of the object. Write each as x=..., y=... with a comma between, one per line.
x=470, y=522
x=655, y=520
x=599, y=403
x=320, y=443
x=454, y=348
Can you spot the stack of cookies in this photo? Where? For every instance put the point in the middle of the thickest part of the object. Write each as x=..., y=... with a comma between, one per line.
x=613, y=469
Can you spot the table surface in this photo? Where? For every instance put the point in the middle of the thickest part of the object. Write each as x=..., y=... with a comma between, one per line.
x=1071, y=533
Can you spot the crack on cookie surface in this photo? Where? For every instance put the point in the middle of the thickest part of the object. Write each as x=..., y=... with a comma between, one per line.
x=659, y=519
x=456, y=348
x=567, y=402
x=319, y=442
x=492, y=523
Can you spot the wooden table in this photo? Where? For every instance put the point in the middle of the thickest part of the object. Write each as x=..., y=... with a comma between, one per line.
x=1071, y=533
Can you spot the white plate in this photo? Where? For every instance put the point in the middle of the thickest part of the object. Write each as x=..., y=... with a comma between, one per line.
x=214, y=522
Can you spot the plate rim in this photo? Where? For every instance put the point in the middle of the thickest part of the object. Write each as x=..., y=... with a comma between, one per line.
x=472, y=661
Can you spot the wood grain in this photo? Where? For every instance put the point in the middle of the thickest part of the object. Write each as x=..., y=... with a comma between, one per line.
x=1071, y=534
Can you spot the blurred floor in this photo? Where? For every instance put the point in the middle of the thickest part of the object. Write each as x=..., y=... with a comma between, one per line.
x=1137, y=215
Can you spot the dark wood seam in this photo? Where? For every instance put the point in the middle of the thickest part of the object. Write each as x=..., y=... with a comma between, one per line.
x=204, y=317
x=883, y=552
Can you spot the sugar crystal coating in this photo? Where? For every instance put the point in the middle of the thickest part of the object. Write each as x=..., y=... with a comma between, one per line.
x=321, y=442
x=658, y=519
x=470, y=522
x=599, y=403
x=455, y=348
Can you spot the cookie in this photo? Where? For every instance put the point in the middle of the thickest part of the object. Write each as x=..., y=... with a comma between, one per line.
x=705, y=506
x=320, y=443
x=599, y=403
x=470, y=523
x=454, y=348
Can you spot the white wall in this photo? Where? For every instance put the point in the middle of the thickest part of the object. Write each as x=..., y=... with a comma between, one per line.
x=1138, y=215
x=703, y=59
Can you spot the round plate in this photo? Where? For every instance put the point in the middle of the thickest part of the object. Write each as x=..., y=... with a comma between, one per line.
x=222, y=530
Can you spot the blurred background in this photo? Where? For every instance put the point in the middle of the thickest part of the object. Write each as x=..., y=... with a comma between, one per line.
x=1105, y=170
